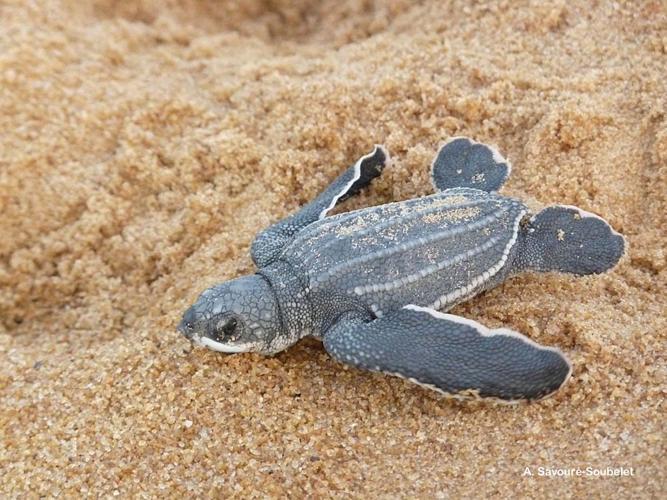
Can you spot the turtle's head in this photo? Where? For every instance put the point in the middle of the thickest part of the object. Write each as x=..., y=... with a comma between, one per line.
x=240, y=315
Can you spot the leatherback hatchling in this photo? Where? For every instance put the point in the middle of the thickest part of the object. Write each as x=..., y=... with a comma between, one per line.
x=371, y=283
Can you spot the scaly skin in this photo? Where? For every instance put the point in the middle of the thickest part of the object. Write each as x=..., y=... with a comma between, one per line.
x=435, y=251
x=371, y=283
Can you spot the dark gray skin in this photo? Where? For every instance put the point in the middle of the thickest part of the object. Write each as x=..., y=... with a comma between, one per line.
x=371, y=283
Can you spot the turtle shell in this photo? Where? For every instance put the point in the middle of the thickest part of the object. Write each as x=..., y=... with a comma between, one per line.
x=434, y=251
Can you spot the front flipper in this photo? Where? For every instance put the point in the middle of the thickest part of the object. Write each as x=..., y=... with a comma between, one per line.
x=462, y=162
x=269, y=243
x=450, y=354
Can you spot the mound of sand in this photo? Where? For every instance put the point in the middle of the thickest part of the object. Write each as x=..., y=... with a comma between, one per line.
x=144, y=143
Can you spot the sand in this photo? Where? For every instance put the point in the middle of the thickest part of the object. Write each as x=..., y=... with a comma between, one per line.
x=144, y=143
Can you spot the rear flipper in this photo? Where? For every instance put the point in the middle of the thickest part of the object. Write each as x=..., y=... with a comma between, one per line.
x=462, y=162
x=569, y=240
x=447, y=353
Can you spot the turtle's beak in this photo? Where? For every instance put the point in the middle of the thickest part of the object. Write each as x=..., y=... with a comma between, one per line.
x=181, y=327
x=186, y=326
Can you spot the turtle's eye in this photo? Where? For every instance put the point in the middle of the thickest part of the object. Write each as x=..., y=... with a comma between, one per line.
x=227, y=328
x=187, y=324
x=230, y=326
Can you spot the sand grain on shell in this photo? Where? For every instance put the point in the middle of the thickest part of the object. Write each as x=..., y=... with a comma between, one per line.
x=145, y=142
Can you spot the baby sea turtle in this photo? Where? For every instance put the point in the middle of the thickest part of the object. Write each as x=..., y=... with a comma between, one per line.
x=371, y=283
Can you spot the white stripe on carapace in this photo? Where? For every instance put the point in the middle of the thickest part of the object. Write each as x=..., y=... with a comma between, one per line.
x=409, y=245
x=427, y=271
x=487, y=332
x=417, y=213
x=357, y=176
x=497, y=157
x=473, y=285
x=399, y=218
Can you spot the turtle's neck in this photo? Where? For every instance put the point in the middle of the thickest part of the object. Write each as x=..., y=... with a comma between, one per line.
x=292, y=298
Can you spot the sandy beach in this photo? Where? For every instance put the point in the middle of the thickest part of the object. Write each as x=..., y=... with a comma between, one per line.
x=143, y=144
